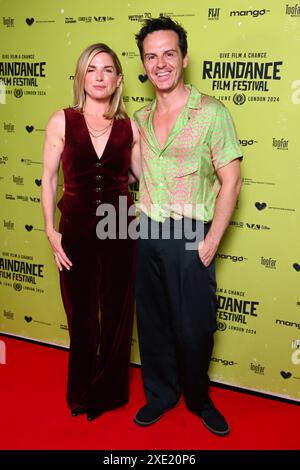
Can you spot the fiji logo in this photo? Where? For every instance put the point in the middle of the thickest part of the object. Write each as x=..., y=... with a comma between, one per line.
x=213, y=13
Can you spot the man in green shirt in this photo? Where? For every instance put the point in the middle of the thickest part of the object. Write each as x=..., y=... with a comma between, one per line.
x=190, y=172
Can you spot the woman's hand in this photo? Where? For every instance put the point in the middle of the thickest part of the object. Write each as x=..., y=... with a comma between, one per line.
x=60, y=256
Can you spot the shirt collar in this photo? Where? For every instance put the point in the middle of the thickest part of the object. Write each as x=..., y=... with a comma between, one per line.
x=193, y=102
x=195, y=97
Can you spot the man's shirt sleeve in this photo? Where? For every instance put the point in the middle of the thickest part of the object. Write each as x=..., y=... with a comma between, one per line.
x=224, y=143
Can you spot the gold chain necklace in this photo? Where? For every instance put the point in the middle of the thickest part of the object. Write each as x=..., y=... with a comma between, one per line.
x=99, y=131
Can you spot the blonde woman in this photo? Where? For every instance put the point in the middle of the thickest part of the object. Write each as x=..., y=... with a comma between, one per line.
x=98, y=146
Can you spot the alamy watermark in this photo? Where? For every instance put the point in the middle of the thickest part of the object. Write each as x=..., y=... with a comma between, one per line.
x=181, y=222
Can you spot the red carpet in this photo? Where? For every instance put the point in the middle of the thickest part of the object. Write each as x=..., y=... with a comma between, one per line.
x=34, y=414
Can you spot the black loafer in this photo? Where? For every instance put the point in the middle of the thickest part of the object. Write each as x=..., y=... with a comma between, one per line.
x=93, y=413
x=149, y=415
x=78, y=411
x=214, y=421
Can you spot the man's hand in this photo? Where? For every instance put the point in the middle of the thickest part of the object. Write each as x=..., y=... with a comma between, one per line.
x=230, y=180
x=207, y=249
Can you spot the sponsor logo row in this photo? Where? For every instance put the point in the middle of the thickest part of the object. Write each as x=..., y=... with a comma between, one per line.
x=214, y=13
x=289, y=9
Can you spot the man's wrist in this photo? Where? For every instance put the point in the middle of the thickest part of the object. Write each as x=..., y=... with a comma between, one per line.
x=213, y=238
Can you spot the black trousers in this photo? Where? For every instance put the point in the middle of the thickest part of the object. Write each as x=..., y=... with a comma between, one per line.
x=176, y=313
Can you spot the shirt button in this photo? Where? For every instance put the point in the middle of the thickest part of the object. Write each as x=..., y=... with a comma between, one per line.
x=98, y=177
x=97, y=190
x=161, y=158
x=98, y=164
x=98, y=201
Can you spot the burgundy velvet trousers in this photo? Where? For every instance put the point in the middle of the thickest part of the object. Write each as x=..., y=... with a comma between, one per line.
x=98, y=296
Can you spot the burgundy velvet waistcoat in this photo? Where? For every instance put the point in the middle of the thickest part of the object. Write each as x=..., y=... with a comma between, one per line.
x=88, y=180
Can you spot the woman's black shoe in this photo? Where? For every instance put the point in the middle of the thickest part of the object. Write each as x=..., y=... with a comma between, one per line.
x=93, y=413
x=78, y=411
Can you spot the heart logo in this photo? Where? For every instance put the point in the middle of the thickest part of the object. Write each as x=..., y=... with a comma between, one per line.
x=29, y=128
x=29, y=21
x=285, y=375
x=143, y=78
x=29, y=228
x=260, y=205
x=296, y=266
x=38, y=182
x=28, y=319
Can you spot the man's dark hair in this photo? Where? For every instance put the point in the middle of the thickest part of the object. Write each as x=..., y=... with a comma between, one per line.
x=158, y=24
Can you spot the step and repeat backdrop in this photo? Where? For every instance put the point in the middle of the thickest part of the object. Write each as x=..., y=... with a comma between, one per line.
x=244, y=53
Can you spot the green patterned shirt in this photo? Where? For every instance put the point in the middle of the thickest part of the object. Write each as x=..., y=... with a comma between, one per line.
x=180, y=179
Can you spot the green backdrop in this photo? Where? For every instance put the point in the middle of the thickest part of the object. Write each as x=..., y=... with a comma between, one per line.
x=244, y=53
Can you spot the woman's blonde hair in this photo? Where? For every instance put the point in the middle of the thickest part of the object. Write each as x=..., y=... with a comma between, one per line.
x=116, y=107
